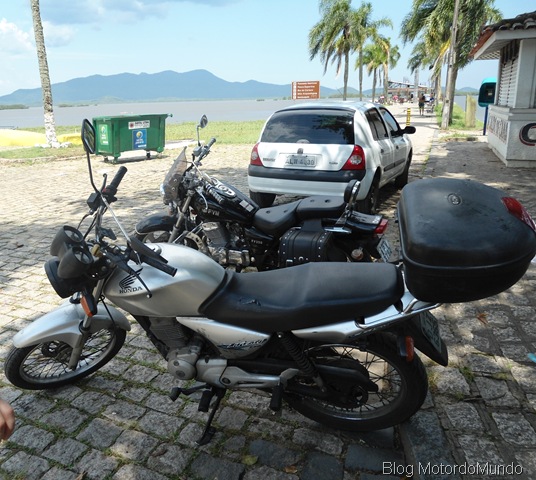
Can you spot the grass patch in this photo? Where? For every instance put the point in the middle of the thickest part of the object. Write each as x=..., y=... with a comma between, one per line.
x=226, y=133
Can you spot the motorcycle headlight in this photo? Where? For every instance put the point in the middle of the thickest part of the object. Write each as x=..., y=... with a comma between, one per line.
x=64, y=287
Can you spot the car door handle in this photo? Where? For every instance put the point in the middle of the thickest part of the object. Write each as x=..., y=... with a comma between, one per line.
x=382, y=150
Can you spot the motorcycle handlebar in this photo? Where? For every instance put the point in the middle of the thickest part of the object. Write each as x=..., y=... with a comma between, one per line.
x=111, y=189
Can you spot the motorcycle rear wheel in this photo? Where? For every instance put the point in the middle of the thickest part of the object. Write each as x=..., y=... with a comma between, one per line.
x=44, y=365
x=402, y=387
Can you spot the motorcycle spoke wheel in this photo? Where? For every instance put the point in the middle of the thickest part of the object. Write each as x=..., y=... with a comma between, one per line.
x=402, y=387
x=45, y=365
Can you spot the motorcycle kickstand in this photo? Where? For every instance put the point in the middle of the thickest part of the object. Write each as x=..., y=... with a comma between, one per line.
x=204, y=403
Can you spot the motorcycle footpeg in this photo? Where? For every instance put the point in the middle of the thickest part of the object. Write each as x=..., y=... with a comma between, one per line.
x=277, y=398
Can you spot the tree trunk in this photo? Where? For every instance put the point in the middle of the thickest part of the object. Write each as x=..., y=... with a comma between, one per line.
x=346, y=68
x=360, y=57
x=50, y=128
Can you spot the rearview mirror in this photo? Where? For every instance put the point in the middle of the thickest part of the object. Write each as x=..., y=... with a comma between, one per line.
x=409, y=129
x=88, y=136
x=203, y=122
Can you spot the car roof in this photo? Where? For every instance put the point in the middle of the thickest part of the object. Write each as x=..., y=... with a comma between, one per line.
x=334, y=104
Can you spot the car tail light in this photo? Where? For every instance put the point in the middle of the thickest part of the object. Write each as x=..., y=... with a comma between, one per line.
x=518, y=211
x=356, y=160
x=255, y=159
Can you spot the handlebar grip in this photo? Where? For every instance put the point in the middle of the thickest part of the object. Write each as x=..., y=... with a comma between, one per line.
x=212, y=142
x=118, y=177
x=159, y=265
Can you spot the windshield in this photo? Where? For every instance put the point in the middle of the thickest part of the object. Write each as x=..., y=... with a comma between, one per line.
x=174, y=176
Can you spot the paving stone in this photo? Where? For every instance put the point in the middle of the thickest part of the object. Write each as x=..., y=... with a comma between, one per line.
x=160, y=424
x=360, y=458
x=65, y=451
x=464, y=417
x=136, y=472
x=274, y=455
x=267, y=473
x=95, y=465
x=318, y=440
x=207, y=467
x=123, y=412
x=92, y=402
x=515, y=429
x=170, y=459
x=134, y=445
x=66, y=419
x=100, y=433
x=30, y=467
x=56, y=473
x=319, y=466
x=231, y=418
x=32, y=437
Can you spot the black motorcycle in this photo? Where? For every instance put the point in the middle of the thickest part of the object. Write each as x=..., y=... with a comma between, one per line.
x=220, y=221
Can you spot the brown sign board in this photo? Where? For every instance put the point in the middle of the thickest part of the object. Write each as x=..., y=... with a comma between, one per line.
x=305, y=90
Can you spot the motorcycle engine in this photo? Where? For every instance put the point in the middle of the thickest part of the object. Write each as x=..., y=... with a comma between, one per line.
x=218, y=241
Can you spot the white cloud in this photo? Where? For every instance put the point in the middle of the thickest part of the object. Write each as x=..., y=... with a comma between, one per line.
x=14, y=41
x=57, y=35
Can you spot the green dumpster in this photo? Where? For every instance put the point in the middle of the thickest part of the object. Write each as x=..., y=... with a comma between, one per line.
x=124, y=133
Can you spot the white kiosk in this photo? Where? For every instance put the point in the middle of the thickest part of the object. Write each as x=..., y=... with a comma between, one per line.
x=511, y=125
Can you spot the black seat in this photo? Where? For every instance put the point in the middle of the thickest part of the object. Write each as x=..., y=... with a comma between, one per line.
x=276, y=220
x=305, y=296
x=320, y=207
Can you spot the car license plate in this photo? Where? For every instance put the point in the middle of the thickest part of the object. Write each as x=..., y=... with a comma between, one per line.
x=384, y=249
x=430, y=329
x=301, y=161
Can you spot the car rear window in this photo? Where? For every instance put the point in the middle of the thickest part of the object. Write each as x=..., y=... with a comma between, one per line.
x=310, y=126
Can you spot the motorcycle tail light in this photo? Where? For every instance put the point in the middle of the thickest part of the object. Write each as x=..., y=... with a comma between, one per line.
x=255, y=159
x=382, y=226
x=356, y=161
x=519, y=211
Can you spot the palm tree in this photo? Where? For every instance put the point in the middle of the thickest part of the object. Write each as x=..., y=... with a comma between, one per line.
x=50, y=129
x=432, y=21
x=330, y=38
x=366, y=28
x=372, y=59
x=391, y=55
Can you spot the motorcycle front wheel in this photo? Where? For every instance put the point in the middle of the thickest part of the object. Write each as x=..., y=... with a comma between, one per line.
x=45, y=365
x=402, y=386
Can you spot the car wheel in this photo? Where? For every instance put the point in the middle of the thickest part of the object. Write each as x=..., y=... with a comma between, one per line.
x=263, y=200
x=370, y=203
x=402, y=180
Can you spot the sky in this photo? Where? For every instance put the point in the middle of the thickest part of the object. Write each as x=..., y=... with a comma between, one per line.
x=236, y=40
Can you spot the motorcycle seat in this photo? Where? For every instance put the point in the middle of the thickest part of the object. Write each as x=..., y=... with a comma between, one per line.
x=277, y=219
x=320, y=207
x=305, y=296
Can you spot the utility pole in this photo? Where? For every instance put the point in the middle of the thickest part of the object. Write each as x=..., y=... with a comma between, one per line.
x=449, y=89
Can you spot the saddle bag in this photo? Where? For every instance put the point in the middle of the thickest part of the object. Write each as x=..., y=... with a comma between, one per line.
x=299, y=246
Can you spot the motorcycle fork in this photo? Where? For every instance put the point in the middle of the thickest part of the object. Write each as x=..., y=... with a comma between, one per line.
x=89, y=304
x=181, y=219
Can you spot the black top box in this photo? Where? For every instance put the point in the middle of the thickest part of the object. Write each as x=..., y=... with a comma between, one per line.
x=462, y=240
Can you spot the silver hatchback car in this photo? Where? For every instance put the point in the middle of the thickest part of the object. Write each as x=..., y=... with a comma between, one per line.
x=317, y=148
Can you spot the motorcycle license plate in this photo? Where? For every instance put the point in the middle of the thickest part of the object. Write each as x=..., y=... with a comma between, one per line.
x=384, y=249
x=430, y=329
x=301, y=161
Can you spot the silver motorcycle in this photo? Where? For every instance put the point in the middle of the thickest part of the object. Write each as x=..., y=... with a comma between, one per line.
x=335, y=341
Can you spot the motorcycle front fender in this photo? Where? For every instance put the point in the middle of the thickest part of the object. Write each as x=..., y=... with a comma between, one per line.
x=62, y=324
x=155, y=223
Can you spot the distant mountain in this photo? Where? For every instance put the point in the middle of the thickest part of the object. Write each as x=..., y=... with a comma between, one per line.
x=163, y=86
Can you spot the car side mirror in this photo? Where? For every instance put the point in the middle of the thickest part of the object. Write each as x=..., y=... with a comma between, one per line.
x=409, y=129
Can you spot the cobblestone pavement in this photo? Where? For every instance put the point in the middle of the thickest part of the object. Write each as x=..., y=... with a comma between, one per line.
x=120, y=424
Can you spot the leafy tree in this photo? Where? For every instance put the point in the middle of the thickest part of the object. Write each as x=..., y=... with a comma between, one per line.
x=341, y=31
x=391, y=55
x=431, y=21
x=372, y=59
x=50, y=128
x=365, y=29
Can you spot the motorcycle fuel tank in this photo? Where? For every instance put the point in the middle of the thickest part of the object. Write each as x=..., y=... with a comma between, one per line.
x=223, y=202
x=197, y=277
